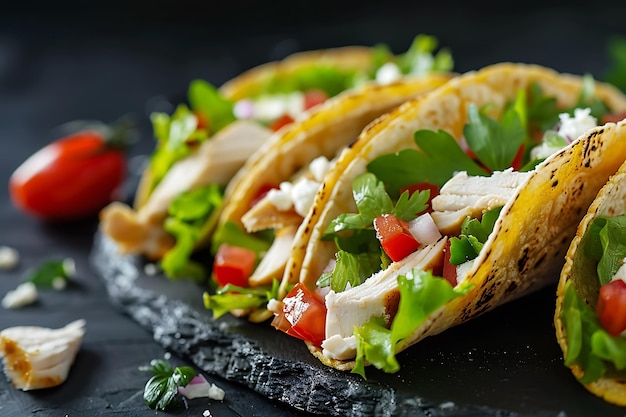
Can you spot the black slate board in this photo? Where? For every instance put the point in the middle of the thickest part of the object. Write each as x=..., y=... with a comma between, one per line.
x=505, y=363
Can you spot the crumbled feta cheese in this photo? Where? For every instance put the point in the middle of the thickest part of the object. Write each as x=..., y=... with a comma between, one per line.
x=338, y=347
x=274, y=305
x=572, y=127
x=206, y=413
x=216, y=393
x=270, y=107
x=281, y=198
x=319, y=167
x=9, y=257
x=24, y=294
x=303, y=195
x=388, y=73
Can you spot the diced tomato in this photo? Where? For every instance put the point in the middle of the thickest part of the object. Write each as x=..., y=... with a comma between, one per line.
x=395, y=237
x=233, y=265
x=265, y=188
x=313, y=98
x=611, y=307
x=303, y=315
x=449, y=269
x=613, y=117
x=516, y=164
x=283, y=120
x=422, y=186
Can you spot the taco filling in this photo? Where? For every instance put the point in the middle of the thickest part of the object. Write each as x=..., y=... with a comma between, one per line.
x=201, y=146
x=265, y=231
x=596, y=330
x=423, y=217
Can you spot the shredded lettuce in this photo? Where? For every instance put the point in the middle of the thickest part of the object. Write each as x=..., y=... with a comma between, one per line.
x=421, y=294
x=232, y=234
x=207, y=100
x=588, y=344
x=188, y=219
x=232, y=297
x=606, y=245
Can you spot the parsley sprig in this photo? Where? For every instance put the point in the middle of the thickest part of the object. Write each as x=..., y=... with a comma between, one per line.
x=161, y=390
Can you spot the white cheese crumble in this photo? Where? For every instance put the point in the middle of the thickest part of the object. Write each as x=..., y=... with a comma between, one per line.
x=570, y=128
x=301, y=194
x=9, y=257
x=338, y=347
x=216, y=393
x=23, y=295
x=388, y=73
x=270, y=107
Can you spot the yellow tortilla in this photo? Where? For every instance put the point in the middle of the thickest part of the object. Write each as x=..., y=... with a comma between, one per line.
x=610, y=201
x=529, y=240
x=252, y=81
x=325, y=131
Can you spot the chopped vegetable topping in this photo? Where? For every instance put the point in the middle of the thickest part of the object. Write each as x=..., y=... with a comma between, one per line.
x=161, y=390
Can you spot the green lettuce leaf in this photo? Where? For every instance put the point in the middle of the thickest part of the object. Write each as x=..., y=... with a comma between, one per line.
x=207, y=100
x=588, y=344
x=606, y=244
x=188, y=219
x=616, y=71
x=474, y=233
x=232, y=297
x=232, y=234
x=421, y=294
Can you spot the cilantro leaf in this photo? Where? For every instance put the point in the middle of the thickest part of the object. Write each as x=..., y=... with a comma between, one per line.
x=494, y=143
x=420, y=60
x=371, y=200
x=161, y=390
x=52, y=273
x=439, y=157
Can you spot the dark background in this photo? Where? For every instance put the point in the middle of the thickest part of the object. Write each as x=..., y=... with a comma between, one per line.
x=71, y=60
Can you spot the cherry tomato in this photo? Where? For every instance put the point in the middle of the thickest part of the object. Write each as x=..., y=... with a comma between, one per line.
x=422, y=186
x=611, y=307
x=72, y=177
x=449, y=269
x=283, y=120
x=233, y=265
x=303, y=315
x=313, y=98
x=395, y=237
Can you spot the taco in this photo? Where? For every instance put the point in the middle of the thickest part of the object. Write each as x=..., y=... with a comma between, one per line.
x=448, y=206
x=266, y=201
x=202, y=145
x=590, y=314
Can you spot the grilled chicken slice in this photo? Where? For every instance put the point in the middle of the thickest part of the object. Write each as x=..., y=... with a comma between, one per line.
x=273, y=263
x=378, y=296
x=471, y=196
x=215, y=162
x=38, y=357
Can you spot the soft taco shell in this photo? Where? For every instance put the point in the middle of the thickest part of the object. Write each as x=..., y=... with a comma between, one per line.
x=324, y=131
x=251, y=82
x=581, y=271
x=529, y=240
